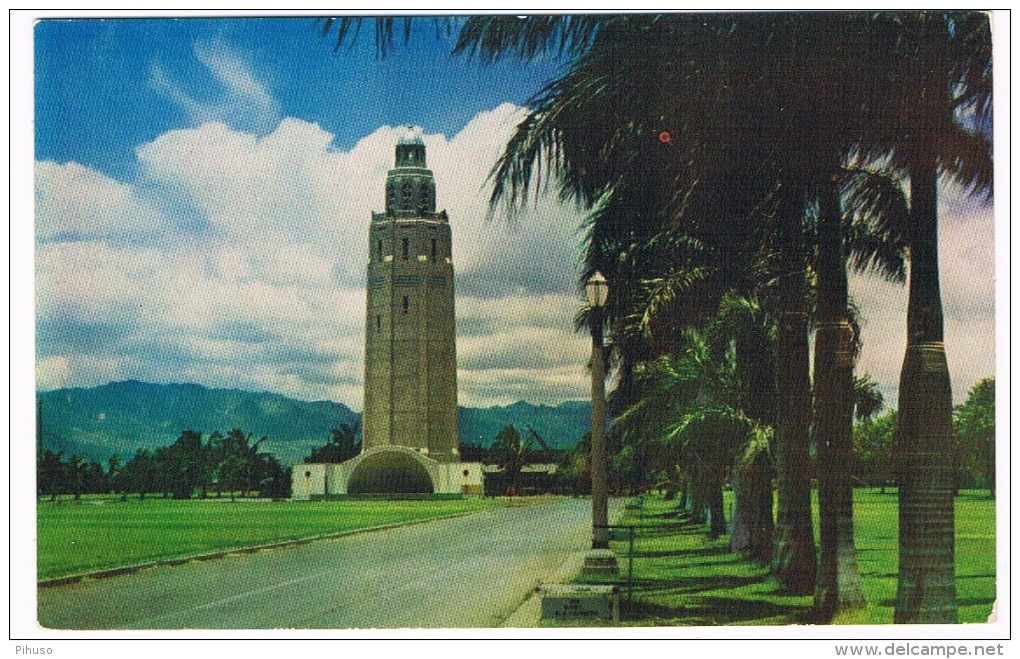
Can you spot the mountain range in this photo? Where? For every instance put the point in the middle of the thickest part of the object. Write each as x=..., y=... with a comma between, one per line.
x=121, y=417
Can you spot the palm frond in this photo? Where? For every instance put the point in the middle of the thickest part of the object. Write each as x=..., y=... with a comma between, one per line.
x=759, y=441
x=491, y=38
x=876, y=218
x=349, y=27
x=967, y=161
x=711, y=431
x=661, y=292
x=868, y=399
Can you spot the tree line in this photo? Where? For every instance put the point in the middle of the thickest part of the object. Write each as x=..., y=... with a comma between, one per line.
x=973, y=439
x=192, y=466
x=645, y=462
x=734, y=167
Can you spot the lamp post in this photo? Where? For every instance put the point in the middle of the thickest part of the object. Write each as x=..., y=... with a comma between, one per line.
x=601, y=559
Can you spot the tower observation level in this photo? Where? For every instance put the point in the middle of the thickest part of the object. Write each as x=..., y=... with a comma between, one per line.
x=410, y=350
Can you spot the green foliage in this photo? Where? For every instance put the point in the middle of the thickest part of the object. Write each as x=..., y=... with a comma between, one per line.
x=75, y=475
x=343, y=445
x=512, y=453
x=872, y=446
x=974, y=423
x=189, y=464
x=691, y=409
x=232, y=473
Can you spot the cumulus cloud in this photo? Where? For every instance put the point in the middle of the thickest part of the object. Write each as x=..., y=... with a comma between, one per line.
x=74, y=202
x=237, y=259
x=256, y=278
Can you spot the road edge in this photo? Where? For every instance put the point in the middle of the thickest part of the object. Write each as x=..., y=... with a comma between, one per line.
x=131, y=569
x=529, y=612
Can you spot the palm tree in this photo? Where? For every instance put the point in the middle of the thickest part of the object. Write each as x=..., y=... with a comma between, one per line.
x=681, y=67
x=77, y=467
x=511, y=454
x=838, y=586
x=343, y=445
x=930, y=67
x=941, y=71
x=744, y=332
x=868, y=400
x=239, y=445
x=753, y=522
x=213, y=452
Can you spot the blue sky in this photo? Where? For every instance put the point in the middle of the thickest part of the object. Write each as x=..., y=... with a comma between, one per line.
x=203, y=192
x=103, y=86
x=202, y=195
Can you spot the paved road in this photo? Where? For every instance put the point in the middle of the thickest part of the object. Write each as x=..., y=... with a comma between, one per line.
x=465, y=572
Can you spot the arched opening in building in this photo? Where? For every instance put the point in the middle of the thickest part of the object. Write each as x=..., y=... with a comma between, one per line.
x=390, y=472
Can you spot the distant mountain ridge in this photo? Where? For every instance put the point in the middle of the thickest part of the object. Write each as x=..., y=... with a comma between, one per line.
x=121, y=417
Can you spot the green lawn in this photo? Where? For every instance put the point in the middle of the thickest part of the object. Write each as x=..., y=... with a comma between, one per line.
x=101, y=533
x=683, y=578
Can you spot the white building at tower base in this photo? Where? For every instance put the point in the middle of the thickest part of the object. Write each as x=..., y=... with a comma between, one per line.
x=407, y=470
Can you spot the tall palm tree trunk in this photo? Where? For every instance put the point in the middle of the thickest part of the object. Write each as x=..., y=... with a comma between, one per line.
x=716, y=514
x=838, y=587
x=794, y=562
x=926, y=591
x=740, y=523
x=762, y=501
x=696, y=500
x=752, y=525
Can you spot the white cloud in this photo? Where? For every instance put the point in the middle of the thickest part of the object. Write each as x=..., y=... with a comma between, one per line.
x=537, y=251
x=75, y=202
x=967, y=274
x=265, y=290
x=243, y=101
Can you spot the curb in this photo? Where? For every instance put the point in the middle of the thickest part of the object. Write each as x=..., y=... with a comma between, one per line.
x=529, y=612
x=131, y=569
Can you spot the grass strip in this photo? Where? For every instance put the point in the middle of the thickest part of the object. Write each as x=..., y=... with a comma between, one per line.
x=681, y=578
x=101, y=533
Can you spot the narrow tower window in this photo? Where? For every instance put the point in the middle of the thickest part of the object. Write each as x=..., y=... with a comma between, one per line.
x=406, y=304
x=433, y=250
x=378, y=250
x=378, y=324
x=405, y=248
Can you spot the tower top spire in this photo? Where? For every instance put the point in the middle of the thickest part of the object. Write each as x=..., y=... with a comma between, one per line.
x=410, y=188
x=411, y=135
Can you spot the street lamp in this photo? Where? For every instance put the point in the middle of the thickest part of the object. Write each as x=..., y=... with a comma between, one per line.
x=601, y=559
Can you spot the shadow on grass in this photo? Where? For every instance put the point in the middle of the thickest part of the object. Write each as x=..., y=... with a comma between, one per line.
x=634, y=610
x=661, y=530
x=686, y=553
x=705, y=611
x=960, y=601
x=666, y=514
x=695, y=584
x=731, y=610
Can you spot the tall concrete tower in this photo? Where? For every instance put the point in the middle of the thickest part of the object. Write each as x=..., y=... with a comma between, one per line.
x=410, y=351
